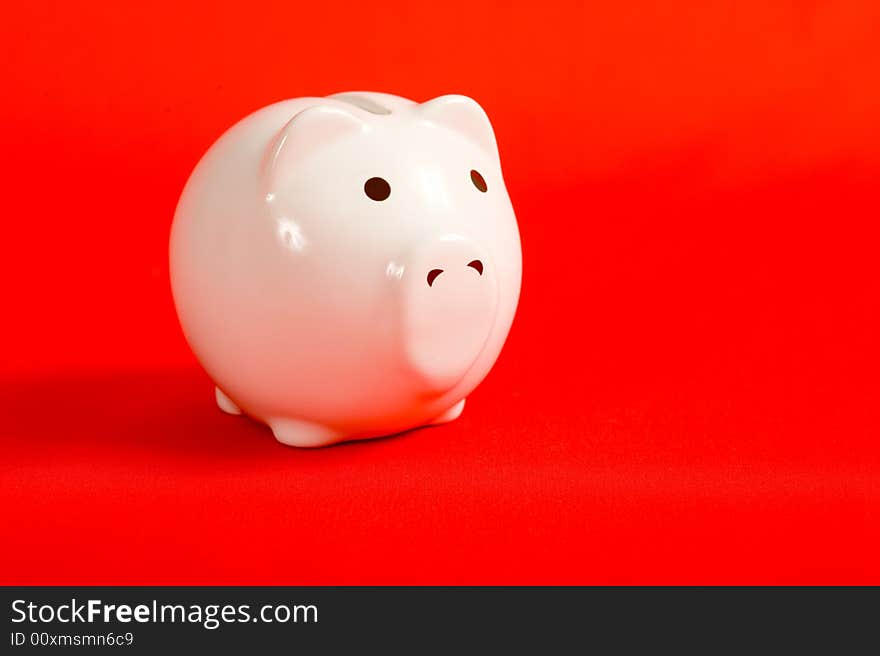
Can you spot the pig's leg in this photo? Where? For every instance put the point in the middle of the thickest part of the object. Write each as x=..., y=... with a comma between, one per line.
x=450, y=415
x=295, y=432
x=225, y=403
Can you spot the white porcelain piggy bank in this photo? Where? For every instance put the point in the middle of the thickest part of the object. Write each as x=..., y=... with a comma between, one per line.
x=348, y=267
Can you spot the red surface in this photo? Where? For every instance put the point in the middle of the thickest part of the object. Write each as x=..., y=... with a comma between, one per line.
x=690, y=390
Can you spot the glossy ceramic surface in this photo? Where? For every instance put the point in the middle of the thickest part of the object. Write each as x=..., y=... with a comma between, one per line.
x=348, y=267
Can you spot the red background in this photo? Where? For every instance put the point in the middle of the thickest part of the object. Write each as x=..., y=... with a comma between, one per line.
x=689, y=393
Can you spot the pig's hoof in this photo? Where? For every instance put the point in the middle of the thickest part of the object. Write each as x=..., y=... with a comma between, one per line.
x=225, y=403
x=294, y=432
x=450, y=415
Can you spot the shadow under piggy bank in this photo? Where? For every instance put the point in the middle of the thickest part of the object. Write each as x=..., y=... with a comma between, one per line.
x=129, y=414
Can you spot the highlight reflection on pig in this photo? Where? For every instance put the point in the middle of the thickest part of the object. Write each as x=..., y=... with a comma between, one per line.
x=348, y=267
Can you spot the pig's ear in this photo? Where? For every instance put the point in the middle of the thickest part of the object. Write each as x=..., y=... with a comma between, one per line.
x=306, y=132
x=464, y=115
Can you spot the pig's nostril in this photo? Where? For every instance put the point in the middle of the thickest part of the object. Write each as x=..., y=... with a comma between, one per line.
x=476, y=264
x=432, y=275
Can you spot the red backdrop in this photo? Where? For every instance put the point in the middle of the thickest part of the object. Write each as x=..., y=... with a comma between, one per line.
x=689, y=393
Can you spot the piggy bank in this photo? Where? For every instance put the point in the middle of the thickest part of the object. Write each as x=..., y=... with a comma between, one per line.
x=348, y=267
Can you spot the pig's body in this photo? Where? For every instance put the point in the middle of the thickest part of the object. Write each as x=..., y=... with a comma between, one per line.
x=317, y=308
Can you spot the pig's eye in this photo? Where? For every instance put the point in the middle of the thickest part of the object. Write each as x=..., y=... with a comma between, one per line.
x=377, y=188
x=479, y=181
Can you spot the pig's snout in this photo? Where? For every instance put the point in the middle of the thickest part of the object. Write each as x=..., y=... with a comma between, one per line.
x=450, y=302
x=477, y=265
